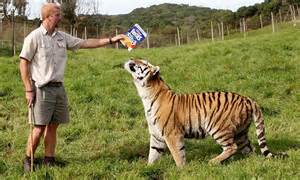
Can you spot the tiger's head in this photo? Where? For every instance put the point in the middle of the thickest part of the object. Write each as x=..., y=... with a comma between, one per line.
x=142, y=71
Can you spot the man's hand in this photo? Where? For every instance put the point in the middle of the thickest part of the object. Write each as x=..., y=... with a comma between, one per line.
x=30, y=97
x=118, y=38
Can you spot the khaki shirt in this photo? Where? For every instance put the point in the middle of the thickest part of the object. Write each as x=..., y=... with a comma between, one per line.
x=48, y=54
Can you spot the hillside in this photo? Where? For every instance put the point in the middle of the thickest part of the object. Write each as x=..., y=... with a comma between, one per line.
x=108, y=138
x=162, y=18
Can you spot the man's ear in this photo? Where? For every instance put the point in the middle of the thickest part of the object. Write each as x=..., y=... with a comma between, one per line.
x=156, y=70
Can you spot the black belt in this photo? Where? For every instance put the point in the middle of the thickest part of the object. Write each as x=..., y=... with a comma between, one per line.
x=53, y=84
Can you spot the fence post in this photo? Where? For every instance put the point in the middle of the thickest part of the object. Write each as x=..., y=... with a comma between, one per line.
x=261, y=22
x=187, y=37
x=24, y=30
x=148, y=43
x=228, y=33
x=74, y=31
x=85, y=33
x=198, y=36
x=293, y=16
x=13, y=33
x=280, y=16
x=117, y=44
x=241, y=26
x=212, y=31
x=1, y=16
x=222, y=30
x=97, y=31
x=244, y=27
x=178, y=36
x=273, y=25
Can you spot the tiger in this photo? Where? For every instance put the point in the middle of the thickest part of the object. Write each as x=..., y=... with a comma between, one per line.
x=171, y=117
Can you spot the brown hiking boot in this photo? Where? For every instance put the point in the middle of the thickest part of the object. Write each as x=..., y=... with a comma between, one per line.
x=27, y=164
x=49, y=161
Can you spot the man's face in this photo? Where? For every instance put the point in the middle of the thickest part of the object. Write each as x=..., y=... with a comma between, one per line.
x=55, y=18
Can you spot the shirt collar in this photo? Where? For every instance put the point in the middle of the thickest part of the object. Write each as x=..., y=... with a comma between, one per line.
x=45, y=32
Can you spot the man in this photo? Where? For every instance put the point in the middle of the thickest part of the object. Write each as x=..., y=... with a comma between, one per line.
x=42, y=64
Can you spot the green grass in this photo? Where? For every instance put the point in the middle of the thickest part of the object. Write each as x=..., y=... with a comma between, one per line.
x=108, y=137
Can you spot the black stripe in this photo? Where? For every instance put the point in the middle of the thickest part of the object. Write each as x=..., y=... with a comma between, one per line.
x=226, y=97
x=262, y=145
x=228, y=144
x=168, y=117
x=159, y=150
x=202, y=133
x=210, y=122
x=221, y=135
x=144, y=69
x=210, y=100
x=240, y=134
x=218, y=98
x=262, y=134
x=265, y=153
x=144, y=75
x=154, y=121
x=157, y=139
x=203, y=97
x=214, y=133
x=152, y=102
x=227, y=138
x=199, y=102
x=182, y=148
x=244, y=145
x=260, y=125
x=190, y=120
x=232, y=107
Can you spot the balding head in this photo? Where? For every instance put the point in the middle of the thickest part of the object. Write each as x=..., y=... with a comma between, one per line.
x=49, y=9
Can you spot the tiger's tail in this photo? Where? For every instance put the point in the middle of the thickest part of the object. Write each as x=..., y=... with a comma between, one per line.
x=260, y=130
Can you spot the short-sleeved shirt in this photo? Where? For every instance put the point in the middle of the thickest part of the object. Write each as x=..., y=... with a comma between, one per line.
x=48, y=54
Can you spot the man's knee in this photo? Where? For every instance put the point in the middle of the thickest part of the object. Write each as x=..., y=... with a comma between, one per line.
x=39, y=129
x=51, y=128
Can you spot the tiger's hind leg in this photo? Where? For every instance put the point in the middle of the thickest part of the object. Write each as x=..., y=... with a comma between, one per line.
x=244, y=145
x=243, y=142
x=157, y=147
x=229, y=147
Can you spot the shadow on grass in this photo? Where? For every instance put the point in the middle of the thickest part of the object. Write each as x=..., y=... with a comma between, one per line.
x=204, y=151
x=38, y=163
x=133, y=152
x=196, y=150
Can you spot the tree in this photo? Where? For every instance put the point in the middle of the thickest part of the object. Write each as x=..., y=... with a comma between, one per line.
x=19, y=5
x=68, y=10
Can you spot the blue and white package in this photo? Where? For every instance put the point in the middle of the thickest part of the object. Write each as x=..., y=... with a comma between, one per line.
x=135, y=35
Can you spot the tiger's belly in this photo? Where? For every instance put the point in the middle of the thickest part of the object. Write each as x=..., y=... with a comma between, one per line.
x=198, y=134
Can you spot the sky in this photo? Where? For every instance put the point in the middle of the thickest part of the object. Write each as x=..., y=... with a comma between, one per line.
x=114, y=7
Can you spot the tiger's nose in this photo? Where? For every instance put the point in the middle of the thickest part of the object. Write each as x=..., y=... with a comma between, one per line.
x=131, y=67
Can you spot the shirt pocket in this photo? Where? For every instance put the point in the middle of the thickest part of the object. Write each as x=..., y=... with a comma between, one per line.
x=44, y=50
x=61, y=48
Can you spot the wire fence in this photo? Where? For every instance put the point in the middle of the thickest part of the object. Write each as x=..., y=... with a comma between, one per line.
x=13, y=31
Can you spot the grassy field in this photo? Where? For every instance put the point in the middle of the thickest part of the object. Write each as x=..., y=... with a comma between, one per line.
x=108, y=138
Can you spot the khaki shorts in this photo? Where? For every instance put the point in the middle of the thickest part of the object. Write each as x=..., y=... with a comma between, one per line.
x=50, y=106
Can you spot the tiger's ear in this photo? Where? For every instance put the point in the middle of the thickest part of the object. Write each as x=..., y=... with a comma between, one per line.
x=156, y=70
